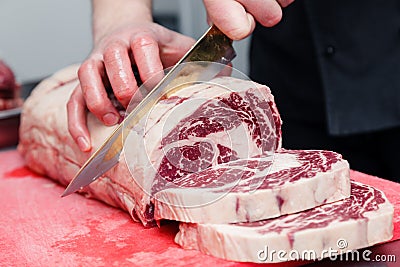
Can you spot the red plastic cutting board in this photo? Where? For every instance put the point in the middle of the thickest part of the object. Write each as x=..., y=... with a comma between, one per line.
x=38, y=228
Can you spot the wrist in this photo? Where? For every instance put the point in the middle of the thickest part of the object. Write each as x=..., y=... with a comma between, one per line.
x=109, y=16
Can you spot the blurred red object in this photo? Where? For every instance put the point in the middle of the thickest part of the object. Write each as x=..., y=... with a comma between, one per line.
x=7, y=78
x=9, y=126
x=10, y=103
x=9, y=88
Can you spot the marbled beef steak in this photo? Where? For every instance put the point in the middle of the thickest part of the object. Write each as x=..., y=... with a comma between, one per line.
x=362, y=220
x=254, y=189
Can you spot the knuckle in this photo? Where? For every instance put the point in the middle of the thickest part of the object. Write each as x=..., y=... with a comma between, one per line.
x=112, y=52
x=285, y=3
x=124, y=94
x=143, y=40
x=86, y=89
x=82, y=69
x=271, y=20
x=238, y=33
x=95, y=105
x=114, y=46
x=85, y=67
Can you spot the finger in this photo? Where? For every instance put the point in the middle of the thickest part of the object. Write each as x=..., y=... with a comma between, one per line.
x=230, y=17
x=285, y=3
x=173, y=46
x=226, y=71
x=209, y=21
x=266, y=12
x=90, y=75
x=146, y=53
x=76, y=111
x=119, y=71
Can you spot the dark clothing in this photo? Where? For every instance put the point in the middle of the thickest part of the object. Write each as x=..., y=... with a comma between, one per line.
x=375, y=153
x=334, y=69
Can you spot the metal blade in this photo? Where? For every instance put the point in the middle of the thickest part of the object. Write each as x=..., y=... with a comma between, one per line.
x=96, y=165
x=212, y=47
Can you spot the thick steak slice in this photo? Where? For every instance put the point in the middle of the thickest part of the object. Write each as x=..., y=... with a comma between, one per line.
x=248, y=190
x=362, y=220
x=203, y=125
x=200, y=127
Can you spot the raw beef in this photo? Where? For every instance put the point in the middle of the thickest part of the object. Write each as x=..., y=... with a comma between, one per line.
x=211, y=143
x=362, y=220
x=9, y=88
x=202, y=126
x=254, y=189
x=7, y=79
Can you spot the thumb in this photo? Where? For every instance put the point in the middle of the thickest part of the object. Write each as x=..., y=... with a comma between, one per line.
x=230, y=17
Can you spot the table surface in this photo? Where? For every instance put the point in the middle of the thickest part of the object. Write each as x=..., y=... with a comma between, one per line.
x=39, y=228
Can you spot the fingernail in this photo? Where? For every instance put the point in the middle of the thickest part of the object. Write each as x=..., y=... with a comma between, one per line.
x=83, y=144
x=110, y=119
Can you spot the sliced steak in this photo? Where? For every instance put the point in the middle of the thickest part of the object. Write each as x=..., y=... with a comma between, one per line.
x=202, y=126
x=363, y=219
x=254, y=189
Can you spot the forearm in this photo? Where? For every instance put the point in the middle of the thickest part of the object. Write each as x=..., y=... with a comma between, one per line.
x=109, y=15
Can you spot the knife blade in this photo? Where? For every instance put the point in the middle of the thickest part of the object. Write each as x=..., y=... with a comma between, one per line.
x=213, y=47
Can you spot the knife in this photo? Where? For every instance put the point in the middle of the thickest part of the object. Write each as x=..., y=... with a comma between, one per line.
x=212, y=47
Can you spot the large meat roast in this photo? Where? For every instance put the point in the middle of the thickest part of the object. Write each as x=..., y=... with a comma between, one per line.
x=203, y=126
x=210, y=156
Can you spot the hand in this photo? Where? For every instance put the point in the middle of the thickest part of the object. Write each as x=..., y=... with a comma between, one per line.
x=149, y=46
x=236, y=18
